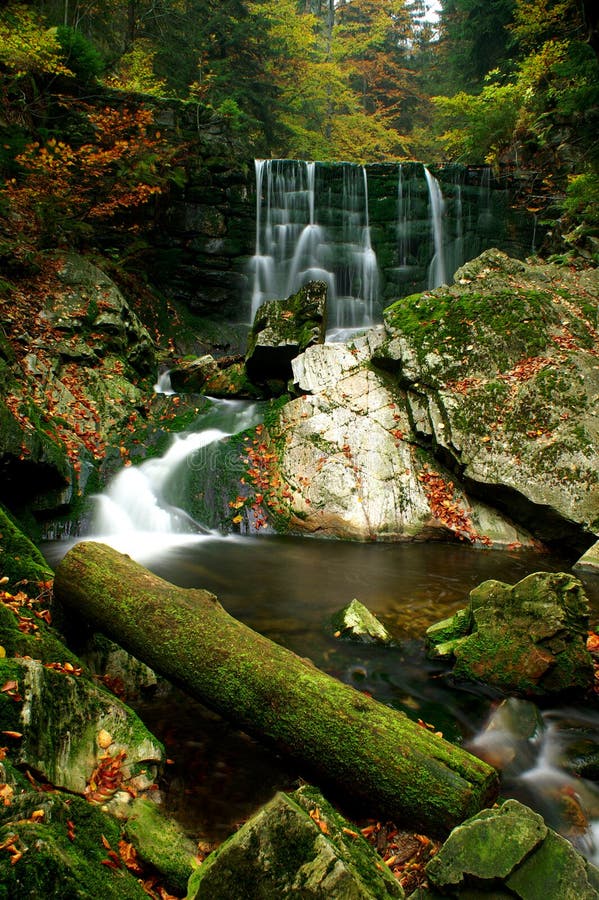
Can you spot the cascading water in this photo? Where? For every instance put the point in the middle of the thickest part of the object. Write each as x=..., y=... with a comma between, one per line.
x=138, y=512
x=299, y=239
x=436, y=272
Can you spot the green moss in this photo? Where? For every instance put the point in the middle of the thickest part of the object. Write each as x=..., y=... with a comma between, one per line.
x=52, y=864
x=20, y=560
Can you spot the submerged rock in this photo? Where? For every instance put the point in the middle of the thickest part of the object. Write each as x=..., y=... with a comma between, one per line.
x=296, y=846
x=284, y=328
x=528, y=638
x=510, y=851
x=355, y=622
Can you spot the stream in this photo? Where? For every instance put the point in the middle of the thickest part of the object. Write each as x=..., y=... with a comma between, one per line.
x=287, y=588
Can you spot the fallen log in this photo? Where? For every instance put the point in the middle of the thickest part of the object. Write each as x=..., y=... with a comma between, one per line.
x=363, y=748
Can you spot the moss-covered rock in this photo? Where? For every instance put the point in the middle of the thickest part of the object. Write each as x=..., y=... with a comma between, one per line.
x=160, y=843
x=510, y=851
x=529, y=637
x=284, y=328
x=20, y=560
x=68, y=724
x=501, y=378
x=355, y=622
x=57, y=846
x=295, y=846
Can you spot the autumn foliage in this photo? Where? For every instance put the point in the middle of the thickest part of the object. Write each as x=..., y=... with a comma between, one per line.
x=62, y=188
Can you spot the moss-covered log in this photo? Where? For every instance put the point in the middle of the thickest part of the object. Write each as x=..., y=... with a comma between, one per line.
x=361, y=746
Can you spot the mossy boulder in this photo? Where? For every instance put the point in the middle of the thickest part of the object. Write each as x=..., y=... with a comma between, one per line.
x=282, y=329
x=500, y=377
x=160, y=843
x=297, y=845
x=510, y=851
x=527, y=638
x=589, y=561
x=56, y=846
x=350, y=464
x=224, y=377
x=20, y=560
x=68, y=724
x=355, y=622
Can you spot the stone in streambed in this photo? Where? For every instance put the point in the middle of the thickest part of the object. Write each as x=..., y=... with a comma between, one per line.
x=160, y=843
x=294, y=846
x=525, y=638
x=589, y=561
x=355, y=622
x=510, y=849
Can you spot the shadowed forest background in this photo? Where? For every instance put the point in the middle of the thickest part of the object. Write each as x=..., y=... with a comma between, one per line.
x=510, y=84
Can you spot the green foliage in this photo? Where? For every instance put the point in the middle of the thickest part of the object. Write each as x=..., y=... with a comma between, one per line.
x=80, y=55
x=135, y=71
x=582, y=198
x=27, y=45
x=478, y=127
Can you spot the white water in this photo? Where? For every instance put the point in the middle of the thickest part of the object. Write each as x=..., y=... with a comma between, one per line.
x=163, y=384
x=293, y=247
x=436, y=273
x=135, y=514
x=535, y=767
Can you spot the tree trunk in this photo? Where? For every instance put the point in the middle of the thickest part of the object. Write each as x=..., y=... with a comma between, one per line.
x=363, y=748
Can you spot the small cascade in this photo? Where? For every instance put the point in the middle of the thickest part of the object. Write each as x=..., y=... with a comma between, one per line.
x=436, y=272
x=163, y=384
x=137, y=512
x=312, y=223
x=537, y=755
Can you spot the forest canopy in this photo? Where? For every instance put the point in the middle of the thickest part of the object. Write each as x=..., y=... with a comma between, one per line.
x=513, y=83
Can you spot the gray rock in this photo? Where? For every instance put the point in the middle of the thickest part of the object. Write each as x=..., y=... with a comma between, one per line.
x=68, y=724
x=487, y=847
x=589, y=561
x=284, y=328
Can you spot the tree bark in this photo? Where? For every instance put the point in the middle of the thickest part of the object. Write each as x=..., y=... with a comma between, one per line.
x=363, y=748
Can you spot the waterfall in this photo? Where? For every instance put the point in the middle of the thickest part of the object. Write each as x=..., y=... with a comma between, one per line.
x=312, y=223
x=436, y=272
x=137, y=512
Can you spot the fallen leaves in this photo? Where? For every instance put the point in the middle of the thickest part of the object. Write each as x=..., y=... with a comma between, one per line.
x=106, y=779
x=404, y=853
x=446, y=508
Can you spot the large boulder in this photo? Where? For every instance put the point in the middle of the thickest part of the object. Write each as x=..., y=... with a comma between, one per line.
x=69, y=382
x=349, y=465
x=295, y=846
x=508, y=852
x=282, y=329
x=528, y=638
x=501, y=377
x=70, y=727
x=472, y=402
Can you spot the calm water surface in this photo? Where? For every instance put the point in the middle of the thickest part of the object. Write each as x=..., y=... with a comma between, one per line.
x=287, y=589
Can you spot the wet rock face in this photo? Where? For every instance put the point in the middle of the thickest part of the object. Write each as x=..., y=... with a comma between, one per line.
x=528, y=638
x=283, y=329
x=483, y=391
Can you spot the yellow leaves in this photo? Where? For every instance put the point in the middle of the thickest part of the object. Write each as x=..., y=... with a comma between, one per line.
x=27, y=46
x=6, y=794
